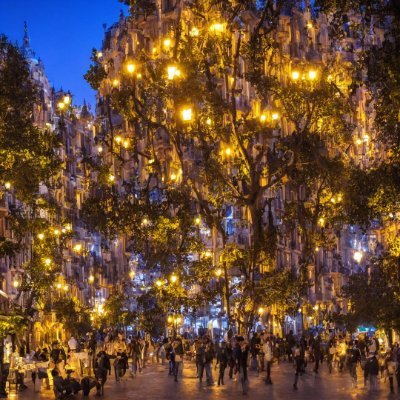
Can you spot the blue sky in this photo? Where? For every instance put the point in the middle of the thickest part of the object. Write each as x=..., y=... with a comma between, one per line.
x=62, y=33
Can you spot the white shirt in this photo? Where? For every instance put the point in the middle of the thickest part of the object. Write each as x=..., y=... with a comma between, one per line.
x=72, y=343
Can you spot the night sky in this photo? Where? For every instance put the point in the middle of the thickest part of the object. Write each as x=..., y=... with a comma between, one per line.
x=62, y=34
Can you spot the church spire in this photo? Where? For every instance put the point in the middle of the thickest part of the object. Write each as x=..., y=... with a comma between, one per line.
x=26, y=44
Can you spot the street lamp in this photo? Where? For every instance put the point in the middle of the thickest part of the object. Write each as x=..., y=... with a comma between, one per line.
x=187, y=114
x=173, y=278
x=357, y=256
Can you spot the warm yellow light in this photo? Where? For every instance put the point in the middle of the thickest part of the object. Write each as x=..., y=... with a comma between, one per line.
x=173, y=177
x=359, y=141
x=92, y=317
x=159, y=282
x=197, y=220
x=275, y=116
x=333, y=200
x=78, y=247
x=366, y=138
x=118, y=139
x=187, y=114
x=208, y=121
x=66, y=287
x=263, y=118
x=329, y=78
x=100, y=149
x=218, y=272
x=131, y=68
x=40, y=236
x=309, y=25
x=58, y=285
x=7, y=185
x=295, y=75
x=132, y=274
x=316, y=307
x=312, y=74
x=173, y=278
x=61, y=105
x=67, y=100
x=317, y=249
x=115, y=82
x=228, y=151
x=173, y=72
x=321, y=221
x=91, y=279
x=47, y=261
x=194, y=32
x=126, y=143
x=261, y=310
x=217, y=28
x=68, y=227
x=207, y=254
x=339, y=198
x=145, y=221
x=179, y=320
x=111, y=178
x=15, y=283
x=167, y=43
x=139, y=75
x=169, y=319
x=358, y=255
x=57, y=232
x=99, y=54
x=63, y=230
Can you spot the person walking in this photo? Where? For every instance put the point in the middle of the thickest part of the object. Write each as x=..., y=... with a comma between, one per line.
x=373, y=371
x=268, y=351
x=222, y=360
x=354, y=359
x=390, y=367
x=242, y=358
x=177, y=347
x=331, y=354
x=316, y=349
x=299, y=364
x=208, y=358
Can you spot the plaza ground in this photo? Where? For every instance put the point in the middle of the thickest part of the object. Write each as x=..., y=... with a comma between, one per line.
x=155, y=384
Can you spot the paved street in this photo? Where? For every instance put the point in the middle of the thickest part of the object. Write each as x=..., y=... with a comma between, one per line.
x=155, y=384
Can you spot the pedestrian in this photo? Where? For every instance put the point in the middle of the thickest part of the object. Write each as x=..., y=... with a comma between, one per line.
x=373, y=371
x=208, y=359
x=242, y=357
x=390, y=367
x=102, y=367
x=268, y=356
x=290, y=344
x=316, y=350
x=199, y=358
x=354, y=359
x=72, y=344
x=177, y=356
x=331, y=353
x=222, y=361
x=299, y=363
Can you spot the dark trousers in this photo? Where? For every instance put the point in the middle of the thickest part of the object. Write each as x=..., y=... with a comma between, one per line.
x=222, y=367
x=317, y=361
x=268, y=378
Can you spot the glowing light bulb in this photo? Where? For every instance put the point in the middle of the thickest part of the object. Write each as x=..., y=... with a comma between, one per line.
x=67, y=100
x=40, y=236
x=57, y=232
x=167, y=43
x=263, y=118
x=78, y=248
x=131, y=68
x=173, y=72
x=7, y=185
x=187, y=114
x=159, y=282
x=208, y=121
x=115, y=82
x=194, y=32
x=358, y=255
x=91, y=279
x=228, y=151
x=275, y=116
x=218, y=272
x=295, y=75
x=173, y=278
x=312, y=74
x=118, y=139
x=261, y=310
x=217, y=28
x=111, y=178
x=99, y=149
x=197, y=221
x=47, y=261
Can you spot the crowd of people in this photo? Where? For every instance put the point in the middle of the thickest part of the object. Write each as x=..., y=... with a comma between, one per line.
x=83, y=365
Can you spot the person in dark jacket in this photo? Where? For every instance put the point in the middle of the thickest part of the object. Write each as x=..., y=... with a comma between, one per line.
x=208, y=359
x=354, y=359
x=242, y=355
x=316, y=348
x=102, y=368
x=373, y=371
x=299, y=362
x=222, y=359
